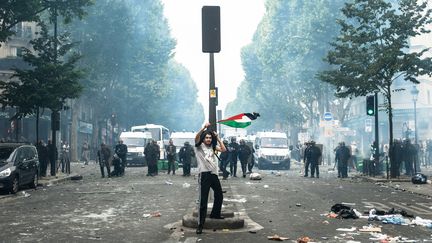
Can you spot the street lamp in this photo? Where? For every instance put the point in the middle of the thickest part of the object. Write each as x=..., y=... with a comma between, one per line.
x=414, y=93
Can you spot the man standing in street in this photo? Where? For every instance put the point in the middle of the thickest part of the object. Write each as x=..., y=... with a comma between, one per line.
x=311, y=157
x=104, y=156
x=152, y=154
x=342, y=157
x=207, y=143
x=244, y=154
x=52, y=156
x=43, y=158
x=171, y=152
x=224, y=160
x=121, y=150
x=85, y=152
x=233, y=155
x=185, y=155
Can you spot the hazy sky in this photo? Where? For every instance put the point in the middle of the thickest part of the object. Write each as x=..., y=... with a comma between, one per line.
x=239, y=19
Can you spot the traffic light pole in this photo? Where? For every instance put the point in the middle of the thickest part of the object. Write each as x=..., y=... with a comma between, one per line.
x=376, y=156
x=212, y=95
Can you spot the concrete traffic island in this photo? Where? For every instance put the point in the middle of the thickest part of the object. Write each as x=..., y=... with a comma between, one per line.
x=230, y=221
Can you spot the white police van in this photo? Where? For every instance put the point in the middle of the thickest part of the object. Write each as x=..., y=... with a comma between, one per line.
x=271, y=151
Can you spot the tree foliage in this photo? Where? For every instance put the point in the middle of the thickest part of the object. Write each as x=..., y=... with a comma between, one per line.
x=14, y=11
x=50, y=79
x=127, y=49
x=281, y=63
x=372, y=49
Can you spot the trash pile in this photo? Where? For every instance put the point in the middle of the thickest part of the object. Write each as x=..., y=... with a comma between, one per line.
x=392, y=216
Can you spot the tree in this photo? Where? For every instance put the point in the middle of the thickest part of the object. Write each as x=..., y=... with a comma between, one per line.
x=48, y=82
x=372, y=50
x=13, y=12
x=281, y=63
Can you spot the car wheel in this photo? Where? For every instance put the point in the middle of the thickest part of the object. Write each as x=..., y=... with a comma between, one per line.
x=15, y=185
x=35, y=181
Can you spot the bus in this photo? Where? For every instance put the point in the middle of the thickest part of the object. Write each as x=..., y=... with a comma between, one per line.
x=159, y=133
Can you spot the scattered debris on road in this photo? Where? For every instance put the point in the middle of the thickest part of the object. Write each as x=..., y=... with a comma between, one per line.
x=255, y=176
x=277, y=238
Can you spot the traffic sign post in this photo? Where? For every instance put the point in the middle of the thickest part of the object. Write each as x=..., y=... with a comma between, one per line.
x=328, y=116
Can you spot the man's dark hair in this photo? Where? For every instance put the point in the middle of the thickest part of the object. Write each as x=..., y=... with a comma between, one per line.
x=203, y=135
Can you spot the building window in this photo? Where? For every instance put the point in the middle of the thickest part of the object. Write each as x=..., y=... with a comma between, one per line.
x=18, y=29
x=12, y=51
x=19, y=51
x=28, y=32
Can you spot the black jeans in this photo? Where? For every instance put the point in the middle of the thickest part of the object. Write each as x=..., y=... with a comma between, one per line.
x=206, y=181
x=186, y=168
x=243, y=165
x=233, y=167
x=223, y=165
x=102, y=164
x=171, y=164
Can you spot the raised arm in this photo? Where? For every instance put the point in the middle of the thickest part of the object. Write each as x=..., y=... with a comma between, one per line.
x=221, y=147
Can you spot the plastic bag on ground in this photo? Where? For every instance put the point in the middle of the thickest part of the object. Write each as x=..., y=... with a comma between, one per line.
x=255, y=176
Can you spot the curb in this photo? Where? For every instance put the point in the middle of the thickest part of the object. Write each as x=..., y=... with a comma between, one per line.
x=374, y=179
x=53, y=181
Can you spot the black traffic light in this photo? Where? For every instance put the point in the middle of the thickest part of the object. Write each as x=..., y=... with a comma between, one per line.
x=370, y=105
x=211, y=37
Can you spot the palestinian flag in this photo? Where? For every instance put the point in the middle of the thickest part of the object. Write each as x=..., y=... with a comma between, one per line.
x=240, y=121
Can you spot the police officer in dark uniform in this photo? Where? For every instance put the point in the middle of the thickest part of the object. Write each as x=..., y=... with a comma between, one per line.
x=152, y=154
x=43, y=158
x=311, y=157
x=171, y=152
x=52, y=156
x=343, y=154
x=121, y=150
x=233, y=155
x=244, y=153
x=185, y=156
x=224, y=160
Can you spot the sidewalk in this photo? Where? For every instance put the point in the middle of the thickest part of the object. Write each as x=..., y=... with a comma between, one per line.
x=77, y=169
x=404, y=183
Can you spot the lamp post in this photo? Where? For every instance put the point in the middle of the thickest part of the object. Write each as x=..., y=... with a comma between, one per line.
x=414, y=93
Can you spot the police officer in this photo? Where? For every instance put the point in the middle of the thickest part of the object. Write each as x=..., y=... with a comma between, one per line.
x=185, y=155
x=121, y=150
x=171, y=152
x=233, y=155
x=244, y=153
x=152, y=154
x=52, y=156
x=311, y=157
x=224, y=160
x=251, y=160
x=343, y=154
x=43, y=157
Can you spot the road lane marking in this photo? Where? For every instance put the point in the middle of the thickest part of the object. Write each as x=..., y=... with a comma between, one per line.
x=412, y=208
x=419, y=208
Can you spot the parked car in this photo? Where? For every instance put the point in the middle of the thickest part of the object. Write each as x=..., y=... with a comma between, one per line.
x=19, y=165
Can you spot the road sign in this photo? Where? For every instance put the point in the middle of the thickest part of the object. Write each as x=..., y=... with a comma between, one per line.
x=328, y=116
x=368, y=125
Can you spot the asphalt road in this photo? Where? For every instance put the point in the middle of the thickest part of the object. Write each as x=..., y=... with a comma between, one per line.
x=125, y=209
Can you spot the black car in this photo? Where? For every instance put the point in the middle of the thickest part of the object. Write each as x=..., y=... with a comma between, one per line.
x=19, y=165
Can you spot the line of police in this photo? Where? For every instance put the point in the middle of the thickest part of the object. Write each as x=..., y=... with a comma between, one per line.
x=312, y=154
x=243, y=152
